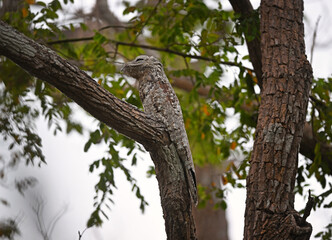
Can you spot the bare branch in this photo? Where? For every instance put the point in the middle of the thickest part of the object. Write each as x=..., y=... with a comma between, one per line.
x=70, y=40
x=38, y=209
x=80, y=235
x=314, y=40
x=114, y=27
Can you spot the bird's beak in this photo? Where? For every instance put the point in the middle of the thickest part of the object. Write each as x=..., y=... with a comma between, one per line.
x=122, y=69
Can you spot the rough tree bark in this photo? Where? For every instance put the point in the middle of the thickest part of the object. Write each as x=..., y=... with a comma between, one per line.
x=46, y=65
x=286, y=79
x=308, y=142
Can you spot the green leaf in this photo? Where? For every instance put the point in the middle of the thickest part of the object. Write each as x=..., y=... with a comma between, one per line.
x=40, y=3
x=317, y=160
x=99, y=38
x=87, y=146
x=83, y=26
x=134, y=160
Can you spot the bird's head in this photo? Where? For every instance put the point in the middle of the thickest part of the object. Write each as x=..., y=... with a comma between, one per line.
x=141, y=66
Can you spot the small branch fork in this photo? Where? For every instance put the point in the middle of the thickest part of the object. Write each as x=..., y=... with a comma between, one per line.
x=43, y=63
x=307, y=209
x=80, y=235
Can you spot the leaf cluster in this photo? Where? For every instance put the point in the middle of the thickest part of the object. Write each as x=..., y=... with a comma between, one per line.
x=107, y=166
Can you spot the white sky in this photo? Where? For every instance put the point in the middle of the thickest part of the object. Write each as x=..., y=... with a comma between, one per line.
x=65, y=180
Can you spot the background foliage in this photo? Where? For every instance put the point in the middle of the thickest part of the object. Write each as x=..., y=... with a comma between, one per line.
x=197, y=45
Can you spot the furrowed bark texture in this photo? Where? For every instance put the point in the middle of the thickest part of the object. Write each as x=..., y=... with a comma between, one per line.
x=287, y=79
x=175, y=198
x=308, y=143
x=45, y=64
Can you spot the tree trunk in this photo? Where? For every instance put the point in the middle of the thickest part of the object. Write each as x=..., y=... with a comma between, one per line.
x=308, y=143
x=10, y=6
x=175, y=198
x=210, y=221
x=287, y=79
x=45, y=64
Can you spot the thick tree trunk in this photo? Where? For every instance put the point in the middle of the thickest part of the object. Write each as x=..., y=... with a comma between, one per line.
x=287, y=79
x=45, y=64
x=175, y=198
x=308, y=143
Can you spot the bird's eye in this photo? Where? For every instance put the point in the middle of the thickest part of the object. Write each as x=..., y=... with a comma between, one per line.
x=139, y=59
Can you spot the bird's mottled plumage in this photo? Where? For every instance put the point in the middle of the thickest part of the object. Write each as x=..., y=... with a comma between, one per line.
x=159, y=100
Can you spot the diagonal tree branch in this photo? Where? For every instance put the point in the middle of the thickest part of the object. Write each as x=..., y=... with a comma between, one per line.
x=44, y=64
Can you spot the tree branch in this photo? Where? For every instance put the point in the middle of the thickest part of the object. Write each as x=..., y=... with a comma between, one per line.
x=245, y=8
x=159, y=49
x=46, y=65
x=314, y=40
x=43, y=63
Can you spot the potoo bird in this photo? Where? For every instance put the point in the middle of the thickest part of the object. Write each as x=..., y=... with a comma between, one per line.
x=159, y=99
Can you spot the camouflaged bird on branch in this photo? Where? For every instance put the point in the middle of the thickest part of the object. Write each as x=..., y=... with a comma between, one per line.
x=159, y=99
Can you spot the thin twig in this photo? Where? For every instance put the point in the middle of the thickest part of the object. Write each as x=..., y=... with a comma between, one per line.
x=187, y=66
x=185, y=55
x=55, y=220
x=116, y=50
x=69, y=40
x=114, y=26
x=46, y=232
x=147, y=20
x=314, y=40
x=307, y=209
x=81, y=234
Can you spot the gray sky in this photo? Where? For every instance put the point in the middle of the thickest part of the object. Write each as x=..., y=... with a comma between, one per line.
x=66, y=181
